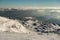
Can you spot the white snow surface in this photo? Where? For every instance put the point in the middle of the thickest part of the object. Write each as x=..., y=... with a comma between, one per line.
x=10, y=25
x=14, y=30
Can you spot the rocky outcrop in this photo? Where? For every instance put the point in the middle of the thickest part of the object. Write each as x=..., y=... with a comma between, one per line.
x=37, y=26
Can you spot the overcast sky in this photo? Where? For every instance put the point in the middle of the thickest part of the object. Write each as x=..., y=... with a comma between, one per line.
x=28, y=3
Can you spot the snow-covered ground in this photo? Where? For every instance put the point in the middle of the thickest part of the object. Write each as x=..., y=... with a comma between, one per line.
x=32, y=36
x=17, y=30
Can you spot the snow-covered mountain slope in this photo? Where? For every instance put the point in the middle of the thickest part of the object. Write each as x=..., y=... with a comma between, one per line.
x=30, y=24
x=10, y=25
x=37, y=26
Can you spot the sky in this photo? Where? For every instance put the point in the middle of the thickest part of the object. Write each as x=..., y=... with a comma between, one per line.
x=29, y=3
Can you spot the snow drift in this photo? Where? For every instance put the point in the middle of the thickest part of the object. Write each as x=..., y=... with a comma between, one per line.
x=10, y=25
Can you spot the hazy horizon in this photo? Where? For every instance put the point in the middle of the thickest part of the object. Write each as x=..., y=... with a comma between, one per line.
x=29, y=3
